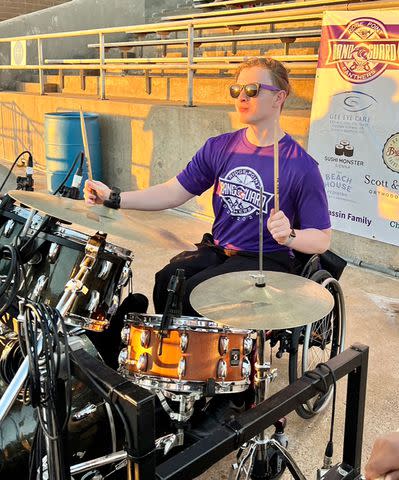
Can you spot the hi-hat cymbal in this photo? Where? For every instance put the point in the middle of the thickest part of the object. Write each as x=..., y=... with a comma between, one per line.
x=96, y=217
x=287, y=301
x=11, y=182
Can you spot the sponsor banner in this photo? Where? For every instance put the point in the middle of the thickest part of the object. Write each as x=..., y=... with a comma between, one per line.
x=354, y=131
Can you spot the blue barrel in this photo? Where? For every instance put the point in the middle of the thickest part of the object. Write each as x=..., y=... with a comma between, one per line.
x=63, y=142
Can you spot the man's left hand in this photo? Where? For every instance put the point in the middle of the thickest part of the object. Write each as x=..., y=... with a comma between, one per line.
x=279, y=226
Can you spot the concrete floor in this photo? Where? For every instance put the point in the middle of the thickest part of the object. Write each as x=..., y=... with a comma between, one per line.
x=372, y=301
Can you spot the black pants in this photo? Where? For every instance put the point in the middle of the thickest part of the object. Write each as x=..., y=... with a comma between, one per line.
x=209, y=261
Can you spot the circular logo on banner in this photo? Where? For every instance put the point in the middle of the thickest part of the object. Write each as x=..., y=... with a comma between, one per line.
x=363, y=51
x=390, y=153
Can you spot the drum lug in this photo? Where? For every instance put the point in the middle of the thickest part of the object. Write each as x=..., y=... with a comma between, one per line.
x=221, y=371
x=125, y=335
x=125, y=275
x=84, y=412
x=246, y=367
x=145, y=338
x=122, y=358
x=39, y=287
x=142, y=362
x=94, y=301
x=106, y=266
x=183, y=342
x=8, y=228
x=114, y=305
x=223, y=345
x=248, y=344
x=181, y=369
x=53, y=252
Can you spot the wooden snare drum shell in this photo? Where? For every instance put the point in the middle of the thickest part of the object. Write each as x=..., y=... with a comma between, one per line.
x=202, y=354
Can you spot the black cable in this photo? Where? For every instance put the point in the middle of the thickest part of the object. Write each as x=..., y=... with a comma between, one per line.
x=106, y=398
x=313, y=374
x=68, y=175
x=11, y=281
x=12, y=167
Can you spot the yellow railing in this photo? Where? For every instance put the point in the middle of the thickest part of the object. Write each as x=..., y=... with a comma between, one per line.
x=311, y=12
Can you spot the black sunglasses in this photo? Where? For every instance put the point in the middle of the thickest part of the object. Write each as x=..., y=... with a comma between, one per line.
x=251, y=89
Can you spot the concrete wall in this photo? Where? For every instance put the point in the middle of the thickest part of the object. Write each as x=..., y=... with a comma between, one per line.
x=10, y=8
x=74, y=15
x=144, y=143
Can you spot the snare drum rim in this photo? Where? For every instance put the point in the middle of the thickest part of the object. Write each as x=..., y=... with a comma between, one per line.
x=184, y=322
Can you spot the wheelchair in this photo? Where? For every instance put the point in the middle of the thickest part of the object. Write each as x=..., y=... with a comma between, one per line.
x=317, y=342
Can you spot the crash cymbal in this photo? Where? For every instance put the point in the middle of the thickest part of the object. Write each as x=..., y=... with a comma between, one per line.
x=11, y=183
x=286, y=301
x=96, y=217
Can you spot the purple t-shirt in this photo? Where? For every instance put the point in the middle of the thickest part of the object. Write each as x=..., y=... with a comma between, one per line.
x=237, y=169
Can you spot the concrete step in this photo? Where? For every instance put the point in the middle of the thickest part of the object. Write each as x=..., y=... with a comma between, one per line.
x=34, y=87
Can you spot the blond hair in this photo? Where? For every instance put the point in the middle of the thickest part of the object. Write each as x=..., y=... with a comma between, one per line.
x=278, y=72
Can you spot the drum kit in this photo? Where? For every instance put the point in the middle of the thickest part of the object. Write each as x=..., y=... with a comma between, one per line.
x=84, y=276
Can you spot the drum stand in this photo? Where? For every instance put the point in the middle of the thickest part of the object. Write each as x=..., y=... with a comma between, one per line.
x=74, y=286
x=186, y=409
x=253, y=458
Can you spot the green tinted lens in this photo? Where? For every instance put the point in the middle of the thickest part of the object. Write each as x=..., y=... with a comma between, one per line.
x=251, y=90
x=235, y=90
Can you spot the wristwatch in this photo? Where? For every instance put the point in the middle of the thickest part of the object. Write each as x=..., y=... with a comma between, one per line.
x=114, y=200
x=291, y=237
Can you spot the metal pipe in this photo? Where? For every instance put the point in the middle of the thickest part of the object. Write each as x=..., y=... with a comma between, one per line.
x=98, y=462
x=102, y=71
x=245, y=19
x=40, y=60
x=190, y=63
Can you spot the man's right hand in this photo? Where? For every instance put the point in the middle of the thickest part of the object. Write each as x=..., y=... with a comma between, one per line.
x=95, y=192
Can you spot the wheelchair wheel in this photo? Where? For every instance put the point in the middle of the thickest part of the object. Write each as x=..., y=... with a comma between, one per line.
x=318, y=342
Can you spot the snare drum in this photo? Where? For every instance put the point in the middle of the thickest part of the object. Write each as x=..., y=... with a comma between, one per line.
x=56, y=258
x=197, y=355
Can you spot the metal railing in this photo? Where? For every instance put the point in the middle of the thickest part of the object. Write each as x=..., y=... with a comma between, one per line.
x=190, y=63
x=261, y=8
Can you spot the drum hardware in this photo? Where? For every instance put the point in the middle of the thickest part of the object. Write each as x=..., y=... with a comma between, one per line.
x=94, y=301
x=167, y=442
x=53, y=252
x=73, y=288
x=105, y=269
x=120, y=457
x=40, y=285
x=183, y=342
x=8, y=228
x=113, y=308
x=126, y=276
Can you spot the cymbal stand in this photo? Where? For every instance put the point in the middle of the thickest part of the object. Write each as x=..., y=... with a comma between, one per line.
x=253, y=457
x=73, y=287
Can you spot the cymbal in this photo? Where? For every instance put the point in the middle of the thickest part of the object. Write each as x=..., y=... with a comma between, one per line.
x=97, y=217
x=287, y=301
x=10, y=184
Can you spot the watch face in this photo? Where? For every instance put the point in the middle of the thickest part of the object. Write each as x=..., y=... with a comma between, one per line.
x=292, y=234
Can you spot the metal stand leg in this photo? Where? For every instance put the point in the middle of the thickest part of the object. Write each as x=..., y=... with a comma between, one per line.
x=252, y=458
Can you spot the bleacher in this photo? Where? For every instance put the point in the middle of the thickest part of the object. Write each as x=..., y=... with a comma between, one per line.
x=209, y=41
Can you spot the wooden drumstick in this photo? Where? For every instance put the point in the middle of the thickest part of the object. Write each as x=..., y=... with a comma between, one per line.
x=276, y=171
x=85, y=144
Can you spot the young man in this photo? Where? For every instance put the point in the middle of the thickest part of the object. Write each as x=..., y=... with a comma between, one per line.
x=238, y=165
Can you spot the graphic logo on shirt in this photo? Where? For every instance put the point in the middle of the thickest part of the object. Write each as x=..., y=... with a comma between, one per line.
x=240, y=191
x=363, y=51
